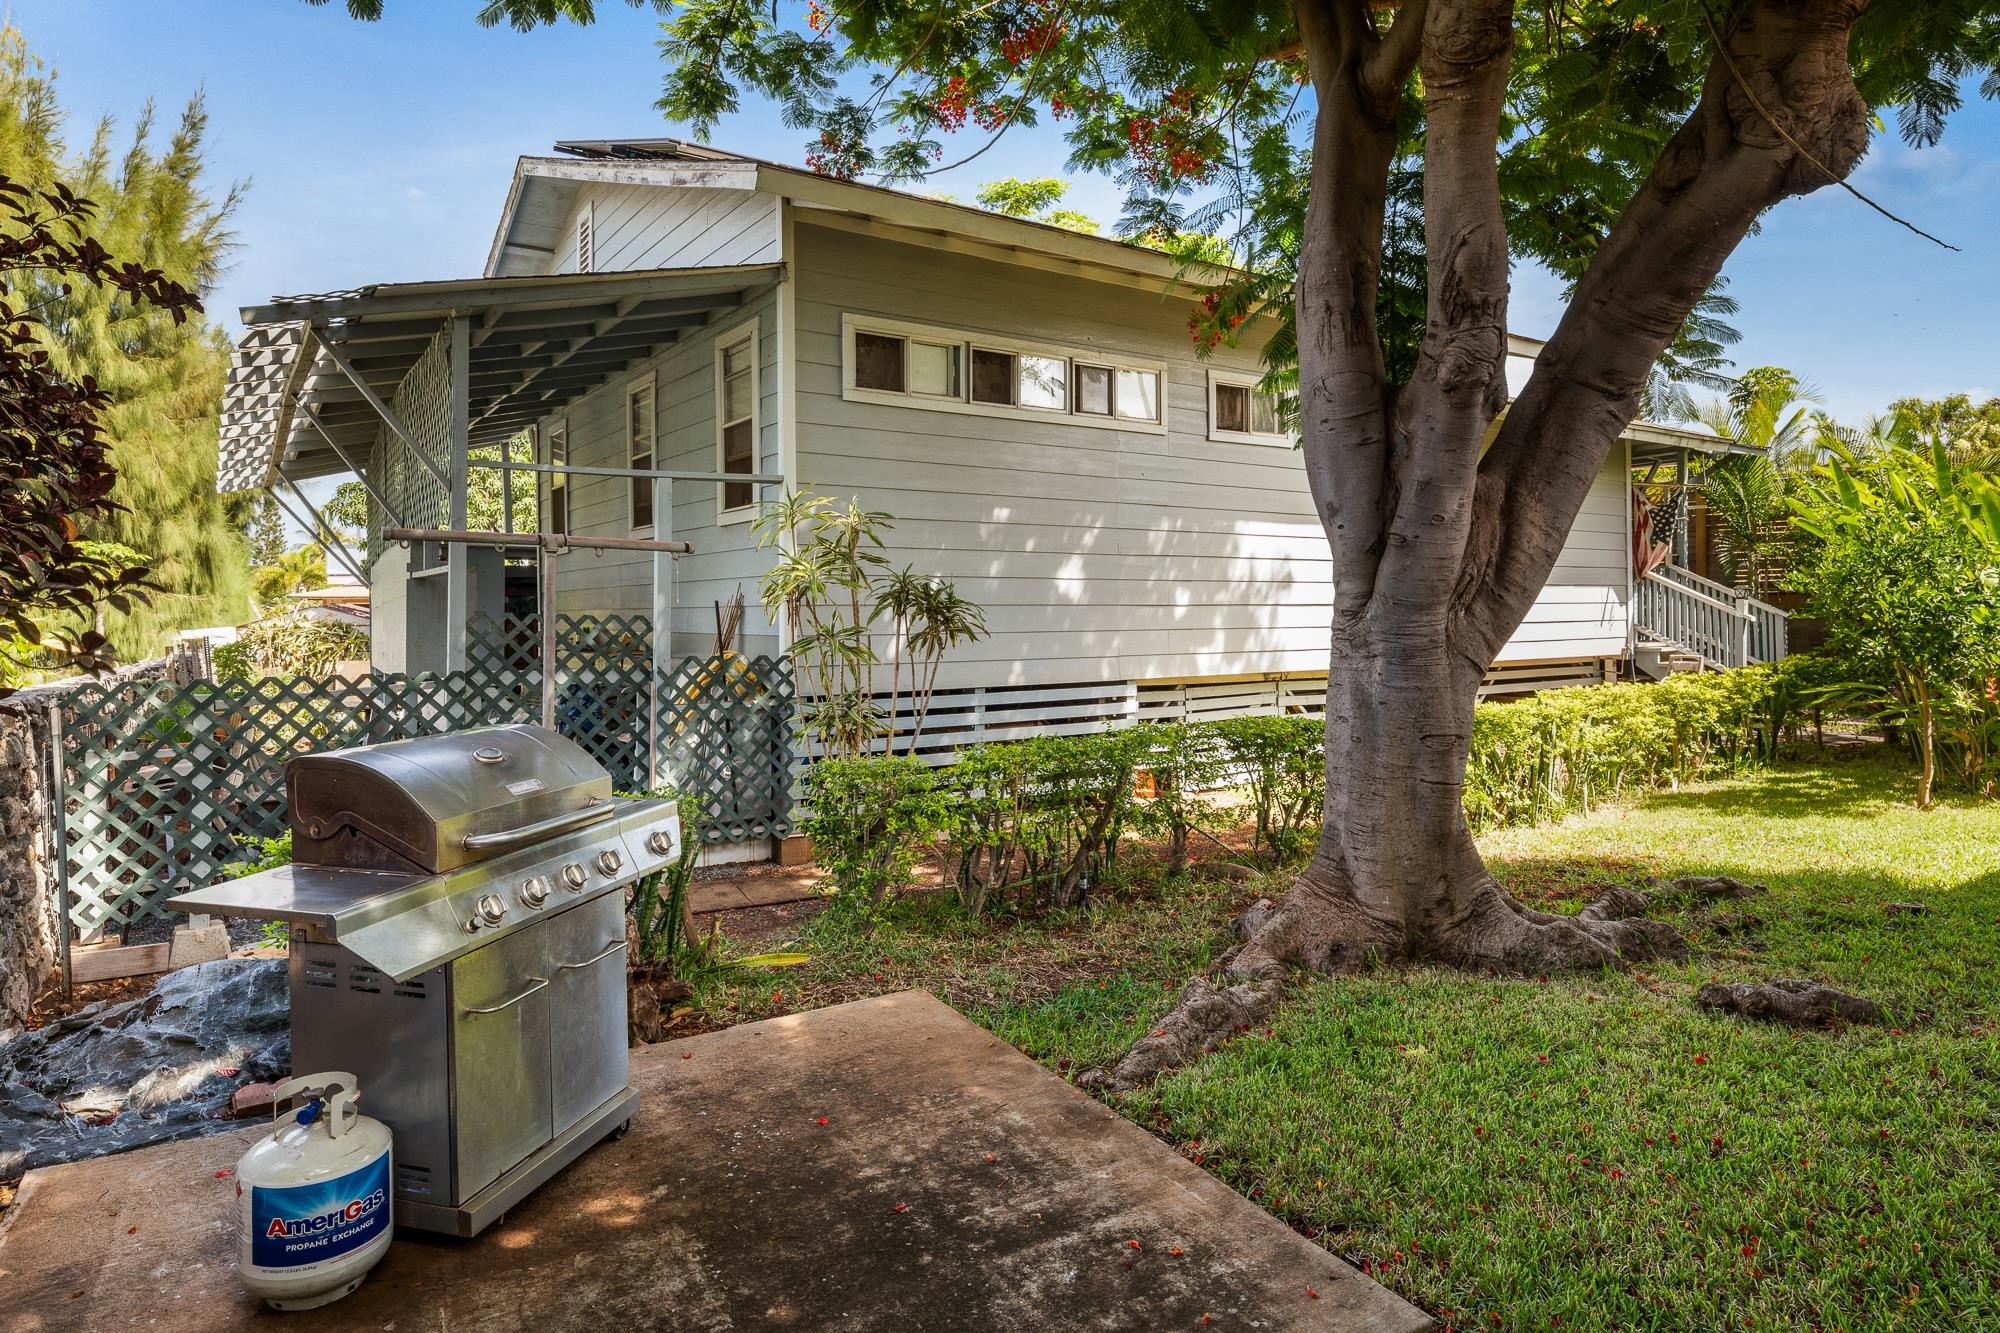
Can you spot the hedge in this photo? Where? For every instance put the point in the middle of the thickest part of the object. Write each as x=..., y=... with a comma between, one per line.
x=1034, y=824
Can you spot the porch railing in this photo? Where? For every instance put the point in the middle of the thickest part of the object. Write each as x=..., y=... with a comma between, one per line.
x=1725, y=627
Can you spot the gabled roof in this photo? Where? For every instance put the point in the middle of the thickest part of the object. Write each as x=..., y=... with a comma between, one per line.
x=544, y=191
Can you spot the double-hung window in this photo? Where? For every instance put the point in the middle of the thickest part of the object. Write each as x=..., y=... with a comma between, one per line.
x=641, y=422
x=736, y=414
x=1238, y=409
x=888, y=361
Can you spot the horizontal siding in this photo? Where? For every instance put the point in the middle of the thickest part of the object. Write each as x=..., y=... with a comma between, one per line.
x=725, y=557
x=1103, y=554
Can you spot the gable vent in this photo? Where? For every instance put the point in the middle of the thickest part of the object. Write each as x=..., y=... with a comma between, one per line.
x=583, y=241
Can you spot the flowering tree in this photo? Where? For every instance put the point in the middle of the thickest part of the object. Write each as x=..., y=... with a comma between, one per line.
x=1377, y=166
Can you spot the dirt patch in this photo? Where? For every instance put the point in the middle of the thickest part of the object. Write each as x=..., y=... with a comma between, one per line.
x=52, y=1005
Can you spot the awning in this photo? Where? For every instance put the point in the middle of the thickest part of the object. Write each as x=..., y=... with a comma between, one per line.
x=311, y=374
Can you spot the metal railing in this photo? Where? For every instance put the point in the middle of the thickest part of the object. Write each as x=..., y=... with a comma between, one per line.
x=1725, y=627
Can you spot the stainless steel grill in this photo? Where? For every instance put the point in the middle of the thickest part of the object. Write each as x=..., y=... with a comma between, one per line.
x=457, y=942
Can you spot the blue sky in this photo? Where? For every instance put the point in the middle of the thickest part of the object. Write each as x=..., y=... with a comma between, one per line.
x=377, y=152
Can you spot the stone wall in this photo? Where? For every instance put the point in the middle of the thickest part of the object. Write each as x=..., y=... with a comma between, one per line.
x=28, y=943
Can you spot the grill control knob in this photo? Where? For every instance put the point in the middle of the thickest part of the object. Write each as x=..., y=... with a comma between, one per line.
x=659, y=842
x=472, y=924
x=534, y=891
x=574, y=875
x=609, y=861
x=491, y=908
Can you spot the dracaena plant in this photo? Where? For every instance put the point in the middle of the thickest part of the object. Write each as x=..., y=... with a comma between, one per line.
x=854, y=619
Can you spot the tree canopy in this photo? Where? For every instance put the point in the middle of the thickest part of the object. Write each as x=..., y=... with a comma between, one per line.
x=161, y=369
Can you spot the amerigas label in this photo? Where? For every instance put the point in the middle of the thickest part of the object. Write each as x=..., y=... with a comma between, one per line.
x=292, y=1225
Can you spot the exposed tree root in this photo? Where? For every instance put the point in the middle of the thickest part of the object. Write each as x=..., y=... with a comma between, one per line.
x=1791, y=1001
x=1322, y=928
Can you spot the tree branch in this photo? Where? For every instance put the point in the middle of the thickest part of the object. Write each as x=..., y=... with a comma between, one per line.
x=1778, y=116
x=1343, y=383
x=1460, y=382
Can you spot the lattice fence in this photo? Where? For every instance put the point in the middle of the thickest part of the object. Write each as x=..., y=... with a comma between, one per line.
x=164, y=784
x=726, y=735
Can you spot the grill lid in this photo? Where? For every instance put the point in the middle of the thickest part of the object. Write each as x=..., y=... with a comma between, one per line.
x=440, y=802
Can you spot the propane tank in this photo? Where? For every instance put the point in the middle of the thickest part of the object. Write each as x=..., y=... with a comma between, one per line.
x=312, y=1197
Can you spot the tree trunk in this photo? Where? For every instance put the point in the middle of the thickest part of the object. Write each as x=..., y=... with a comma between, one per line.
x=1441, y=543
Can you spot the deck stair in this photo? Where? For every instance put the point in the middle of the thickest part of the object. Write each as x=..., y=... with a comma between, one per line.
x=1684, y=622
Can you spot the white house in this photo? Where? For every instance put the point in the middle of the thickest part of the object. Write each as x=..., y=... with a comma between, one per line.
x=682, y=330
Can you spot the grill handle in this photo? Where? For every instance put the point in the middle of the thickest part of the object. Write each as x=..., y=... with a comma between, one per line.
x=535, y=832
x=541, y=983
x=616, y=945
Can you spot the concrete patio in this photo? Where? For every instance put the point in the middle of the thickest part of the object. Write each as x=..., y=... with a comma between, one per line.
x=954, y=1185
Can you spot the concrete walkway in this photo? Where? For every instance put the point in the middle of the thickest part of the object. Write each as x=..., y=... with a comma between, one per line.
x=955, y=1185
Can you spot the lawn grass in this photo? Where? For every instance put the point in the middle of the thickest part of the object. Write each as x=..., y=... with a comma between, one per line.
x=1587, y=1152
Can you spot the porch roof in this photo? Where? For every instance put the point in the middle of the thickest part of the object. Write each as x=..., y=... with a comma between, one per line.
x=312, y=374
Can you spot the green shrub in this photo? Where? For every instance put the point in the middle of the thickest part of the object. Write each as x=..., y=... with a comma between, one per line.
x=868, y=819
x=1187, y=763
x=1281, y=761
x=233, y=662
x=1039, y=820
x=1545, y=756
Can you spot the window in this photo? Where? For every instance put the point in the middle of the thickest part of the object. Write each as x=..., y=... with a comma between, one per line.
x=1139, y=395
x=640, y=423
x=934, y=369
x=922, y=366
x=878, y=362
x=584, y=238
x=1238, y=409
x=992, y=377
x=555, y=450
x=736, y=413
x=1093, y=390
x=1043, y=383
x=890, y=364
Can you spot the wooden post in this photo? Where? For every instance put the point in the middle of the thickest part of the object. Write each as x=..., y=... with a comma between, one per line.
x=457, y=579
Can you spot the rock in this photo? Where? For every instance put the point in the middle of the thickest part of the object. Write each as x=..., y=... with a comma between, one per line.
x=1254, y=918
x=1906, y=909
x=1792, y=1001
x=113, y=1076
x=1718, y=886
x=252, y=1100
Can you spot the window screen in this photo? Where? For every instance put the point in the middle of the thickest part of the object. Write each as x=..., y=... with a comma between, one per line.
x=639, y=452
x=739, y=422
x=1093, y=390
x=878, y=362
x=992, y=376
x=1232, y=407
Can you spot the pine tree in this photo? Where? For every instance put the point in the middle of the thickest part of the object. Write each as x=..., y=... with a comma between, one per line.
x=267, y=532
x=165, y=378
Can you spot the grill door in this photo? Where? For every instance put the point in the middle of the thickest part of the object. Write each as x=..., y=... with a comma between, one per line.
x=587, y=1006
x=500, y=1057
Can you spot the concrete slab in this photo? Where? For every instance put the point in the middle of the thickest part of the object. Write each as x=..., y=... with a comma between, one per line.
x=956, y=1185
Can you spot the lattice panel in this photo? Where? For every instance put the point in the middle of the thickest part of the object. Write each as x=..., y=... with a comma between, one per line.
x=726, y=736
x=164, y=784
